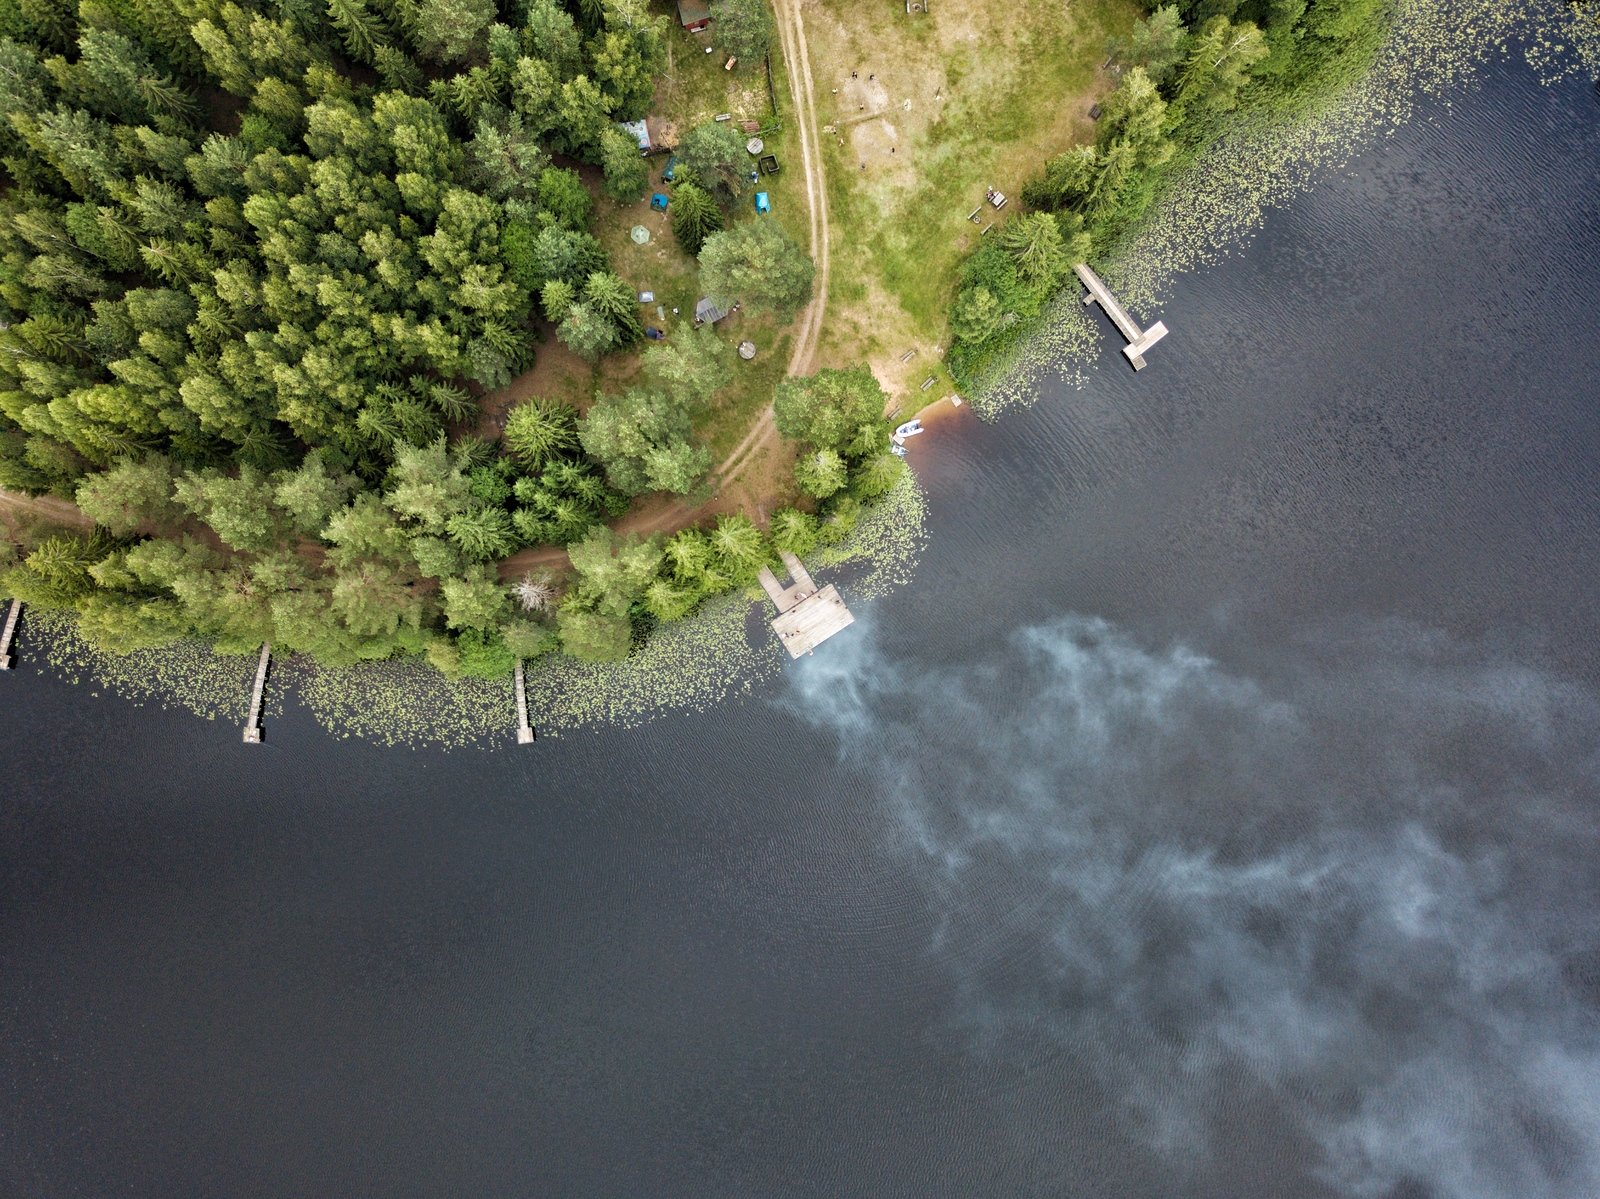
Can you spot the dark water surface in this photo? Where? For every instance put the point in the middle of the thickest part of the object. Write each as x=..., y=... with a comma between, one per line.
x=1217, y=815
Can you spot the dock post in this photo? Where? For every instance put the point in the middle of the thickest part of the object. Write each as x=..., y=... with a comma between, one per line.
x=9, y=633
x=524, y=729
x=252, y=727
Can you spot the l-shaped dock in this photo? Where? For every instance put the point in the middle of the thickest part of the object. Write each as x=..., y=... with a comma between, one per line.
x=1139, y=340
x=807, y=616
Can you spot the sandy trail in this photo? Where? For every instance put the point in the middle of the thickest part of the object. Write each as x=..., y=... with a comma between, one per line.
x=802, y=361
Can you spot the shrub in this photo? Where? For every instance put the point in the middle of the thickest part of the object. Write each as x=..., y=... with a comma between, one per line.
x=593, y=637
x=484, y=654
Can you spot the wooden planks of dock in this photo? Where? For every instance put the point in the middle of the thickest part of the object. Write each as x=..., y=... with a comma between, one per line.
x=10, y=632
x=524, y=729
x=1139, y=340
x=252, y=727
x=807, y=615
x=812, y=621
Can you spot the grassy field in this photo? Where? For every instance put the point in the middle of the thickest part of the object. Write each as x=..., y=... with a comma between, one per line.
x=926, y=111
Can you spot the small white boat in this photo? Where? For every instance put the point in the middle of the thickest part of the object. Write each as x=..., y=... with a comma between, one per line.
x=910, y=429
x=898, y=450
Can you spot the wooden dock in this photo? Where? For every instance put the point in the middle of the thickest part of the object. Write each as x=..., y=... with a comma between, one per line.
x=252, y=727
x=9, y=633
x=1139, y=340
x=807, y=615
x=524, y=729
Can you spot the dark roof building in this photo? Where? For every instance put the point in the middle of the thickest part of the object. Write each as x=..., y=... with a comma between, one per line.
x=693, y=15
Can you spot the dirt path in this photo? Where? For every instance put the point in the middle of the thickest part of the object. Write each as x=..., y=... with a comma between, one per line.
x=14, y=506
x=802, y=361
x=792, y=30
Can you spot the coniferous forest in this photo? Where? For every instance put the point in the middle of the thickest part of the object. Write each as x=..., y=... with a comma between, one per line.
x=257, y=263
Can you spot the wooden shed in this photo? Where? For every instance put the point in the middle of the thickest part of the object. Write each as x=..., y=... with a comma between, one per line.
x=694, y=15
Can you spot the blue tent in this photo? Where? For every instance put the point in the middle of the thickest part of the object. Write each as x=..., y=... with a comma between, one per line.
x=658, y=202
x=762, y=203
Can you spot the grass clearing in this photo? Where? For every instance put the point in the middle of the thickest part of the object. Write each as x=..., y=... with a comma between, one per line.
x=926, y=111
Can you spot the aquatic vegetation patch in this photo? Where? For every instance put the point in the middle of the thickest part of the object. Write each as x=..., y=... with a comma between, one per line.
x=889, y=541
x=1215, y=204
x=687, y=665
x=188, y=674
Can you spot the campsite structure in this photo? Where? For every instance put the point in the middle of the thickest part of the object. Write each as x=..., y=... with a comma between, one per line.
x=806, y=616
x=694, y=15
x=709, y=311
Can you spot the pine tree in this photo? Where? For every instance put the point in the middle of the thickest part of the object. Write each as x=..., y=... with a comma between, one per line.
x=695, y=216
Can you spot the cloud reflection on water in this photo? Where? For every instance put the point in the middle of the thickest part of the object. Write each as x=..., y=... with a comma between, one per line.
x=1363, y=872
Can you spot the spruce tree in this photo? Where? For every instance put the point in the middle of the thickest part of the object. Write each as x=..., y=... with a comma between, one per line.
x=695, y=216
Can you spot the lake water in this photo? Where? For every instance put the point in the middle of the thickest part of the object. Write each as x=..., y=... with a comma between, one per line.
x=1216, y=815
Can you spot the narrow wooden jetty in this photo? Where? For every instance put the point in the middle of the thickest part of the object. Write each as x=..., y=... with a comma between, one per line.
x=524, y=729
x=807, y=616
x=9, y=633
x=252, y=726
x=1139, y=340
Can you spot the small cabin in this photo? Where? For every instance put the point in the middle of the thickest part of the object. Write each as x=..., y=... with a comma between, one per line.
x=709, y=311
x=693, y=15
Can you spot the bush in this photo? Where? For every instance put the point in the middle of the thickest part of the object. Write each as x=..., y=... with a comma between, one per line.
x=484, y=654
x=593, y=637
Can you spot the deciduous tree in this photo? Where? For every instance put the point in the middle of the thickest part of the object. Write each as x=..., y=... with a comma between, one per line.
x=627, y=176
x=642, y=438
x=696, y=364
x=834, y=409
x=713, y=155
x=760, y=264
x=743, y=28
x=594, y=637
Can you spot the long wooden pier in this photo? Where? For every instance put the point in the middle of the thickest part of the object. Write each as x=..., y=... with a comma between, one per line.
x=1139, y=340
x=807, y=616
x=524, y=729
x=9, y=633
x=252, y=727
